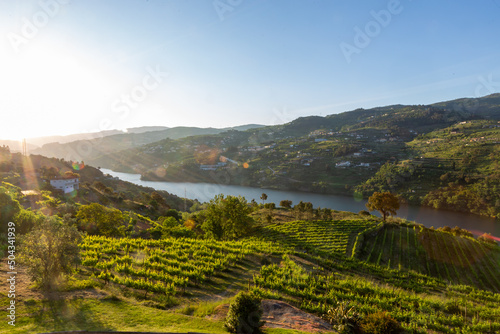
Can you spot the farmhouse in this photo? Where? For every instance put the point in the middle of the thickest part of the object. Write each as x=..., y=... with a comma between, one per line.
x=67, y=185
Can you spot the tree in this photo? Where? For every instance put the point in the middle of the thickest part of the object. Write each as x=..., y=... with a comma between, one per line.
x=170, y=227
x=49, y=250
x=227, y=218
x=9, y=207
x=385, y=202
x=97, y=219
x=26, y=220
x=263, y=197
x=287, y=204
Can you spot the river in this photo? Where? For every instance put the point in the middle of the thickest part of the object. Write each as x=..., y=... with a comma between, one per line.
x=423, y=215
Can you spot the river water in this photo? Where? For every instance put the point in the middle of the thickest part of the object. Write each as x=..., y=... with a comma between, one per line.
x=423, y=215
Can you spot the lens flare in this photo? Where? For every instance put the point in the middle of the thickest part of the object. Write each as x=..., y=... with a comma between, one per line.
x=77, y=166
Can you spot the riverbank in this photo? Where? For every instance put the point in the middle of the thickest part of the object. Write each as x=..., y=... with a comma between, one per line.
x=287, y=184
x=429, y=217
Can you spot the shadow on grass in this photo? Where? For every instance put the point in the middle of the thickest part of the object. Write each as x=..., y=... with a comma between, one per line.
x=59, y=315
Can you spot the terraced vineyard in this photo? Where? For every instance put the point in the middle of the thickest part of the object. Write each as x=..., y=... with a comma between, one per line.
x=460, y=260
x=164, y=266
x=329, y=236
x=464, y=310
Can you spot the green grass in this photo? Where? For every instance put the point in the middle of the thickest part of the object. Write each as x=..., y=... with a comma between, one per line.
x=109, y=315
x=103, y=315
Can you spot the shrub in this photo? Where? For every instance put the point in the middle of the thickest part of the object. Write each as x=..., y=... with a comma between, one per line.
x=344, y=318
x=364, y=213
x=244, y=314
x=380, y=323
x=270, y=206
x=486, y=237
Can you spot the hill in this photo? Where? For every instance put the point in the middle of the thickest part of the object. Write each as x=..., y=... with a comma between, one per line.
x=186, y=280
x=88, y=147
x=427, y=154
x=145, y=260
x=40, y=141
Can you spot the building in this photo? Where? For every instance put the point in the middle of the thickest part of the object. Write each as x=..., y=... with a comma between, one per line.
x=66, y=185
x=343, y=164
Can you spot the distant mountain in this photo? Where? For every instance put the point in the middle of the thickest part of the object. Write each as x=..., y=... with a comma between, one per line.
x=16, y=146
x=432, y=154
x=486, y=106
x=40, y=141
x=102, y=143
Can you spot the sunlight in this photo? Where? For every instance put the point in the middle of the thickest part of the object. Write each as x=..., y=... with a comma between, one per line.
x=29, y=173
x=44, y=81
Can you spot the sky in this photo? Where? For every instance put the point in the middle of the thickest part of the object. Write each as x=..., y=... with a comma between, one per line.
x=75, y=66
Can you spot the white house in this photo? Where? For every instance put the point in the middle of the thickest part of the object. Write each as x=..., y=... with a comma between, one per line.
x=66, y=185
x=343, y=164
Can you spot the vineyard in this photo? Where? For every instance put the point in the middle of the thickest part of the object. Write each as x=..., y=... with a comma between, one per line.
x=327, y=236
x=426, y=279
x=464, y=309
x=455, y=259
x=164, y=266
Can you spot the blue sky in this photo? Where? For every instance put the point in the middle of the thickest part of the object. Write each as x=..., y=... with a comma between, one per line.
x=79, y=66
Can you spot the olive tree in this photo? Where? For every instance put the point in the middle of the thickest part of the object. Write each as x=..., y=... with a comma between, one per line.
x=385, y=202
x=49, y=250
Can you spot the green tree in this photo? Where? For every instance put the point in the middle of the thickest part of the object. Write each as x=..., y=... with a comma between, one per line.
x=26, y=220
x=48, y=251
x=97, y=219
x=263, y=197
x=9, y=207
x=385, y=202
x=227, y=218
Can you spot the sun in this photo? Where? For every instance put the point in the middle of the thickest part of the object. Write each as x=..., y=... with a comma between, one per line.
x=47, y=90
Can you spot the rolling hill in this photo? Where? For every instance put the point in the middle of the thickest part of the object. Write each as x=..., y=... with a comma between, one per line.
x=90, y=146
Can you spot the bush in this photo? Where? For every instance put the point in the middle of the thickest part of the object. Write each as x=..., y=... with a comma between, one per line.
x=244, y=314
x=344, y=318
x=486, y=237
x=380, y=323
x=270, y=206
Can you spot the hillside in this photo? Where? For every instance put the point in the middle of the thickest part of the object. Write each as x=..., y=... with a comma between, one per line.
x=88, y=147
x=187, y=281
x=133, y=252
x=427, y=154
